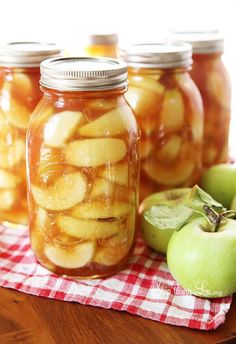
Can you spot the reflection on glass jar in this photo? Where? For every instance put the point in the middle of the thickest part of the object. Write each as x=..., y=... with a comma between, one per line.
x=19, y=94
x=211, y=77
x=169, y=111
x=83, y=168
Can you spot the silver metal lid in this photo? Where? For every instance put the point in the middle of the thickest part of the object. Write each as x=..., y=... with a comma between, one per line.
x=203, y=42
x=158, y=55
x=103, y=38
x=27, y=54
x=83, y=73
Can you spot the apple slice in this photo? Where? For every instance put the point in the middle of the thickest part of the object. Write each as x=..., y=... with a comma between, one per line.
x=111, y=255
x=61, y=127
x=41, y=218
x=172, y=114
x=118, y=173
x=17, y=114
x=12, y=155
x=5, y=127
x=102, y=187
x=73, y=257
x=170, y=150
x=171, y=176
x=210, y=154
x=218, y=86
x=66, y=192
x=197, y=122
x=101, y=210
x=7, y=198
x=115, y=240
x=146, y=148
x=87, y=229
x=111, y=123
x=143, y=102
x=8, y=180
x=22, y=81
x=101, y=104
x=95, y=152
x=148, y=83
x=149, y=126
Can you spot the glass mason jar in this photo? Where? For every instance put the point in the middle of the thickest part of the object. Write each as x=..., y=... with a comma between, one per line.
x=83, y=168
x=102, y=44
x=211, y=77
x=169, y=111
x=19, y=94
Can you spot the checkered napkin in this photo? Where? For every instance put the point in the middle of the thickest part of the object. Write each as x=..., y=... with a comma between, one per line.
x=145, y=288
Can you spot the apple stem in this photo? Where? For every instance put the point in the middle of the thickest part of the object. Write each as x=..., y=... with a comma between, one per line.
x=213, y=216
x=229, y=213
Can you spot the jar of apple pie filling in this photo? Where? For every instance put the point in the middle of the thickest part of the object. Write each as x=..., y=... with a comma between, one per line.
x=211, y=77
x=169, y=110
x=102, y=45
x=19, y=94
x=83, y=168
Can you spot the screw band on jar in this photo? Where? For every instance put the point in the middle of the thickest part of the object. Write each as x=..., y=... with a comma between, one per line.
x=83, y=73
x=102, y=38
x=26, y=54
x=203, y=42
x=158, y=55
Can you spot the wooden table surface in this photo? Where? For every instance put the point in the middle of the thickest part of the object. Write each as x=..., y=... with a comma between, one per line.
x=28, y=319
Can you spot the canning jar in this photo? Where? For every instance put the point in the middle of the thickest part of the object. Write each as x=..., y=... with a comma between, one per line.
x=83, y=168
x=102, y=44
x=169, y=111
x=210, y=75
x=19, y=94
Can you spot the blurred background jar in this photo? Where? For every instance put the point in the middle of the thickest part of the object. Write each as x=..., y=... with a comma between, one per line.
x=210, y=75
x=19, y=94
x=102, y=44
x=169, y=111
x=92, y=43
x=83, y=168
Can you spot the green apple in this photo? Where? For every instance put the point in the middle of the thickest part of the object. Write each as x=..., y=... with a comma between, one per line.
x=203, y=261
x=220, y=182
x=153, y=236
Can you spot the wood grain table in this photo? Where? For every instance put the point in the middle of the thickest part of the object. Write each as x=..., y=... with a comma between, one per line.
x=28, y=319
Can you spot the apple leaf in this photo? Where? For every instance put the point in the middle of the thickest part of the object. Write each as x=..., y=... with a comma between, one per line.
x=166, y=217
x=199, y=198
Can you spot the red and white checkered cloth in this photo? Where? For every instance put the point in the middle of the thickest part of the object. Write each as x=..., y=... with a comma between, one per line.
x=145, y=288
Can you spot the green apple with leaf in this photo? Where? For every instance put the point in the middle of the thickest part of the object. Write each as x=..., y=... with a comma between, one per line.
x=203, y=260
x=154, y=237
x=201, y=253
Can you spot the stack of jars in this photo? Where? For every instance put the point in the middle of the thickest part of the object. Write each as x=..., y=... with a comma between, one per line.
x=83, y=142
